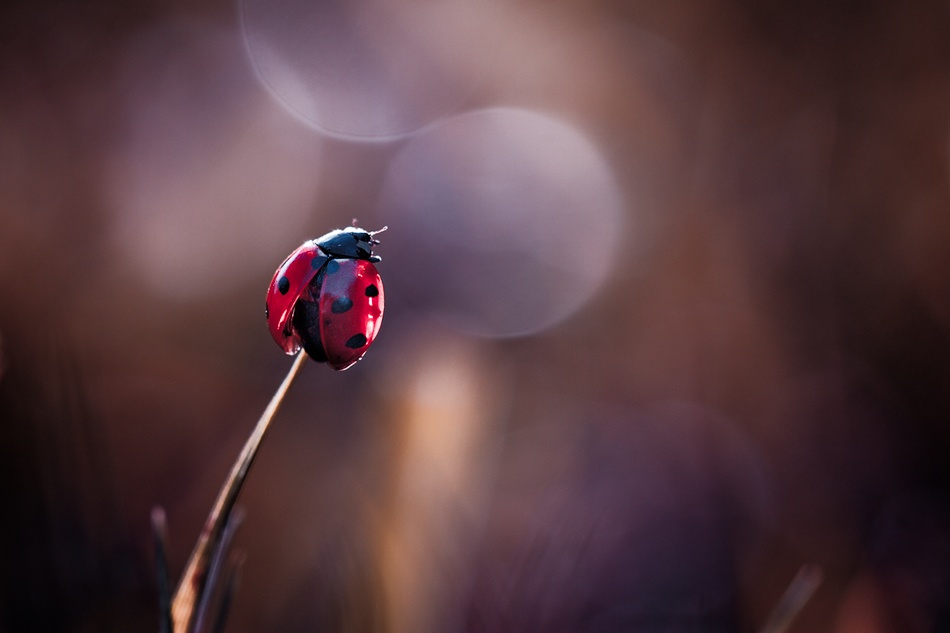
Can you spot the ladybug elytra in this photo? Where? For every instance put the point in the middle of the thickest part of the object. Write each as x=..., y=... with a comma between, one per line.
x=327, y=297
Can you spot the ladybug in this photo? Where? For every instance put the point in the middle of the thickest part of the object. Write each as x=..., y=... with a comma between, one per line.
x=327, y=297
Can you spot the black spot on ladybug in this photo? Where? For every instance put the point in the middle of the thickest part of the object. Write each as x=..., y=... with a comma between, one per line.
x=341, y=305
x=372, y=290
x=283, y=285
x=356, y=341
x=332, y=266
x=317, y=262
x=266, y=310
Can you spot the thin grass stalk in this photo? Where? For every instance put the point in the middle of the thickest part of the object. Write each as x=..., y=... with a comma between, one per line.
x=793, y=600
x=194, y=585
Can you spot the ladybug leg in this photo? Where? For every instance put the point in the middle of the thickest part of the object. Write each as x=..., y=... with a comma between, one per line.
x=306, y=317
x=306, y=322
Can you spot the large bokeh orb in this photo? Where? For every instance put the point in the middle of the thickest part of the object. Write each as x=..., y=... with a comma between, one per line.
x=360, y=69
x=504, y=221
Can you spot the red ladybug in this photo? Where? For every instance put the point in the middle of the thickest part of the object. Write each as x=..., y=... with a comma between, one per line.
x=327, y=297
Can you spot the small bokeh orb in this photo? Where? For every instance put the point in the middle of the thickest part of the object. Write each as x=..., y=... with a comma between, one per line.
x=506, y=221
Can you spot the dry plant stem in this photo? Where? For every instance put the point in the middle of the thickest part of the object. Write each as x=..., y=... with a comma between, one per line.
x=794, y=598
x=159, y=533
x=194, y=581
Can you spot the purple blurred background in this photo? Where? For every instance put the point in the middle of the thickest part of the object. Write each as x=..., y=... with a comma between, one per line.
x=668, y=311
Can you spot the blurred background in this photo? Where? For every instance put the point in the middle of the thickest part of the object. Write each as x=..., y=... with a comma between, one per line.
x=667, y=310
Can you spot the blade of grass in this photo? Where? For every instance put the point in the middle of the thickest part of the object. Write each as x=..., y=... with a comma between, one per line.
x=218, y=559
x=160, y=534
x=194, y=581
x=231, y=582
x=798, y=593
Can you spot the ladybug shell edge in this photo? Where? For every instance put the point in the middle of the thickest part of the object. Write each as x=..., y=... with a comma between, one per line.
x=290, y=281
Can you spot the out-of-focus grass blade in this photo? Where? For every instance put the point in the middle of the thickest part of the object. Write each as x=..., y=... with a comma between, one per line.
x=214, y=569
x=159, y=533
x=798, y=593
x=231, y=583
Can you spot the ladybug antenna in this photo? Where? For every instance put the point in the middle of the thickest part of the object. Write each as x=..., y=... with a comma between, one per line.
x=374, y=233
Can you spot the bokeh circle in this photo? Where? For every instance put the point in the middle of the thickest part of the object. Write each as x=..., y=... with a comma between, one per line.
x=505, y=221
x=359, y=69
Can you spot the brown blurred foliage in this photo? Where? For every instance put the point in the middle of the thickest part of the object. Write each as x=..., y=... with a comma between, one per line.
x=762, y=381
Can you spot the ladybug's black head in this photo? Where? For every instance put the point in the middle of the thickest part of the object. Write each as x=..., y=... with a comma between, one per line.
x=350, y=243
